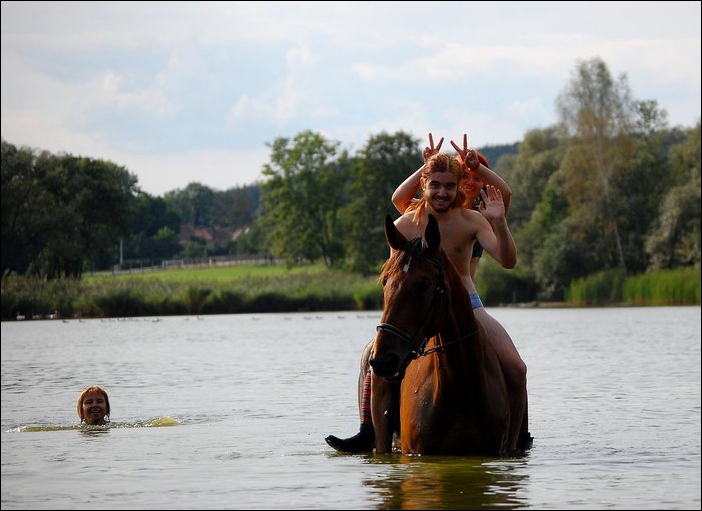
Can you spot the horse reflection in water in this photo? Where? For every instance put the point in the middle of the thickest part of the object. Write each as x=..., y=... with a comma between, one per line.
x=433, y=482
x=453, y=395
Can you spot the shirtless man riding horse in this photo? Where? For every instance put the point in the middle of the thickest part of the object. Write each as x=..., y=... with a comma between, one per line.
x=460, y=227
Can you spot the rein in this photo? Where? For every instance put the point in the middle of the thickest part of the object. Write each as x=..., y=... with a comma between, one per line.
x=440, y=291
x=440, y=348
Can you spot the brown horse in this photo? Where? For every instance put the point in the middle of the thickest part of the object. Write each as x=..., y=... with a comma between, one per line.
x=453, y=395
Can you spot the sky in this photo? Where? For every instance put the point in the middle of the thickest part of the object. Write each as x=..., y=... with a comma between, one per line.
x=195, y=92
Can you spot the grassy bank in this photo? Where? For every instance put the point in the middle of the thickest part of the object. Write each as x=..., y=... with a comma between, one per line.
x=680, y=286
x=219, y=290
x=248, y=288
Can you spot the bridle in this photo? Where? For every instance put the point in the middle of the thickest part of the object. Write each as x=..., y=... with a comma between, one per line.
x=439, y=293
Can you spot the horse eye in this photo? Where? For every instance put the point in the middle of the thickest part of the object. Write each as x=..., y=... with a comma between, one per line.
x=423, y=285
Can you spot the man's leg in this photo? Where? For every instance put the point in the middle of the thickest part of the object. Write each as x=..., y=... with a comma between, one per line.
x=364, y=440
x=514, y=370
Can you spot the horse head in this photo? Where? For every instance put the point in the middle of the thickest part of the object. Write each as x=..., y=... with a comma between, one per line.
x=415, y=299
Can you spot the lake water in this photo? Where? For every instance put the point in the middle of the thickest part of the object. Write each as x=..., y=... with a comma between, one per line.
x=614, y=406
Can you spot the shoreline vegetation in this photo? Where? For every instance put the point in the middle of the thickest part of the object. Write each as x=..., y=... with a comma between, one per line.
x=261, y=288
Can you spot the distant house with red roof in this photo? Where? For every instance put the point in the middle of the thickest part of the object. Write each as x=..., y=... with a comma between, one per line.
x=189, y=230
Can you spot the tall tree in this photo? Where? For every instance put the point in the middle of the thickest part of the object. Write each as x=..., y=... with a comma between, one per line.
x=599, y=113
x=61, y=213
x=674, y=239
x=92, y=200
x=539, y=156
x=193, y=203
x=154, y=225
x=642, y=183
x=235, y=207
x=380, y=166
x=24, y=225
x=302, y=197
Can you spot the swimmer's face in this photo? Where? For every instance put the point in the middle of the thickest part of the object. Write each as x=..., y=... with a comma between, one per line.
x=94, y=408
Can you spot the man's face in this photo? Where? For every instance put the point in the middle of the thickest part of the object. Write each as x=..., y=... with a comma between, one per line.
x=440, y=189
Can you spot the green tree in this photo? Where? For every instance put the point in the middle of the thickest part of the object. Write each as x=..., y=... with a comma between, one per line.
x=93, y=200
x=545, y=219
x=380, y=166
x=61, y=213
x=674, y=239
x=302, y=197
x=599, y=113
x=566, y=253
x=24, y=225
x=539, y=156
x=153, y=229
x=236, y=207
x=194, y=204
x=641, y=183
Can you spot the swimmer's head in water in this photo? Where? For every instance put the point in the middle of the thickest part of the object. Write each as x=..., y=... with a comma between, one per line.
x=94, y=406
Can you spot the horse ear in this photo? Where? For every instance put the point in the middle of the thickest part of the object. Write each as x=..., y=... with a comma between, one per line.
x=432, y=235
x=395, y=238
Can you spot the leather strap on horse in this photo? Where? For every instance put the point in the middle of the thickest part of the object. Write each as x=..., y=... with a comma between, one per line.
x=439, y=289
x=440, y=348
x=387, y=327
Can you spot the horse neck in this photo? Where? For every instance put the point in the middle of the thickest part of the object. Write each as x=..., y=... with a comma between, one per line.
x=461, y=334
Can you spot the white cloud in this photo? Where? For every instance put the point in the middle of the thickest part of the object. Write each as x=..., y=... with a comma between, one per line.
x=187, y=91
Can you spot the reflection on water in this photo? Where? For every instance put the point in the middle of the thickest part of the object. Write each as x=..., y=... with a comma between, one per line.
x=158, y=422
x=94, y=432
x=435, y=482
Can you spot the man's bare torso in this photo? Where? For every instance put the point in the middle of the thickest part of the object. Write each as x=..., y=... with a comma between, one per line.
x=459, y=228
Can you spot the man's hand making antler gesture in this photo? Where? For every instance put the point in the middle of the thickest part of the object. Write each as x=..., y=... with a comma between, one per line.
x=467, y=157
x=431, y=150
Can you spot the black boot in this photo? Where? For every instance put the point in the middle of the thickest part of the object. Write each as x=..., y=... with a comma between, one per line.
x=363, y=441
